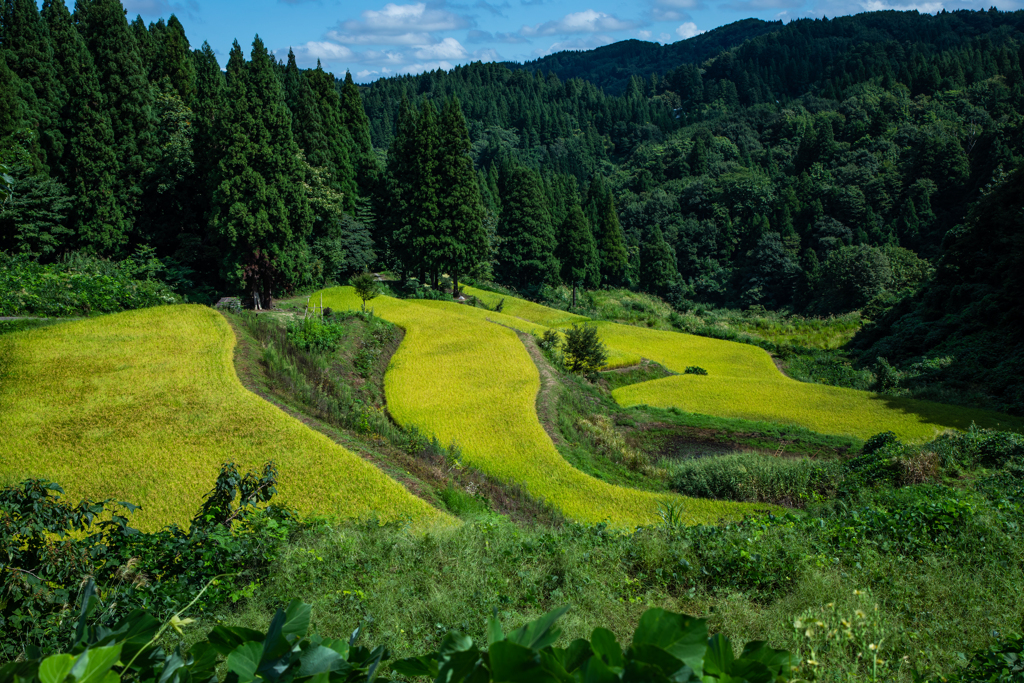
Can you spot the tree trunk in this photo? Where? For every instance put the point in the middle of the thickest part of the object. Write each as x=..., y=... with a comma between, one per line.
x=574, y=294
x=455, y=284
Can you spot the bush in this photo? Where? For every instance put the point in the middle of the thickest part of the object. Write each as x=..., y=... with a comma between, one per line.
x=550, y=340
x=979, y=447
x=80, y=285
x=315, y=335
x=584, y=351
x=878, y=441
x=755, y=478
x=694, y=370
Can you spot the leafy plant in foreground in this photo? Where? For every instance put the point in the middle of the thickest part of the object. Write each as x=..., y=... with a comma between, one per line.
x=666, y=647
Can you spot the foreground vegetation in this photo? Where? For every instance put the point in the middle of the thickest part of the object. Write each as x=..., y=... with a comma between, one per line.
x=113, y=406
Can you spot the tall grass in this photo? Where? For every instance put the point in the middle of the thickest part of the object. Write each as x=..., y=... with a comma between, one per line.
x=755, y=477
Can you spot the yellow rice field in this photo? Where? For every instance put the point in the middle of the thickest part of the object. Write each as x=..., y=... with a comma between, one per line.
x=467, y=380
x=527, y=310
x=144, y=406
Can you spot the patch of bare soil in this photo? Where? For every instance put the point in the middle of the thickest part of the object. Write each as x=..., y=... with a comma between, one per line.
x=550, y=388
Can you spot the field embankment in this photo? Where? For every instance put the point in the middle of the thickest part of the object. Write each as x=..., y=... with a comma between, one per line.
x=467, y=380
x=144, y=406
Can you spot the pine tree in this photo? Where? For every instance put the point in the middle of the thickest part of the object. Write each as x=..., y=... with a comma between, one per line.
x=29, y=53
x=658, y=270
x=260, y=206
x=11, y=107
x=292, y=83
x=577, y=252
x=526, y=257
x=462, y=235
x=88, y=166
x=125, y=86
x=394, y=200
x=604, y=220
x=425, y=233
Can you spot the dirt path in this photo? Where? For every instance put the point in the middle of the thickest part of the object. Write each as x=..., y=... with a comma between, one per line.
x=550, y=388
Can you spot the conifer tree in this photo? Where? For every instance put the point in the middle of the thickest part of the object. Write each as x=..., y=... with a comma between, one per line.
x=125, y=86
x=175, y=62
x=604, y=220
x=29, y=54
x=11, y=107
x=353, y=116
x=394, y=200
x=461, y=235
x=425, y=225
x=526, y=257
x=320, y=134
x=292, y=83
x=658, y=269
x=88, y=165
x=260, y=206
x=577, y=252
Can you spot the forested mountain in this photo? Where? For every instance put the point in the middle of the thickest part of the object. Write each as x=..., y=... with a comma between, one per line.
x=611, y=67
x=819, y=166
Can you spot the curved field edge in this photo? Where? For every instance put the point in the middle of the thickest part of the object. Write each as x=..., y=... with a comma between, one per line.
x=744, y=382
x=144, y=406
x=464, y=379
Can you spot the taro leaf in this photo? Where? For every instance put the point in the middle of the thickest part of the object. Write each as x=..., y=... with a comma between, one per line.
x=244, y=660
x=454, y=641
x=540, y=633
x=204, y=660
x=89, y=604
x=777, y=661
x=225, y=639
x=340, y=646
x=463, y=667
x=424, y=665
x=494, y=632
x=93, y=665
x=719, y=658
x=574, y=656
x=604, y=645
x=641, y=672
x=273, y=644
x=749, y=671
x=296, y=621
x=378, y=654
x=55, y=669
x=511, y=662
x=136, y=631
x=597, y=671
x=683, y=637
x=658, y=658
x=171, y=666
x=319, y=659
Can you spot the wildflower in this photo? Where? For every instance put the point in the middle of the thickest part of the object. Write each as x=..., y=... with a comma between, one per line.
x=860, y=614
x=177, y=623
x=857, y=592
x=872, y=647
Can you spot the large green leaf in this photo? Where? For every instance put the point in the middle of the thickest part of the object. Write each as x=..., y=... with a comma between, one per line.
x=463, y=667
x=93, y=665
x=683, y=637
x=55, y=668
x=244, y=660
x=296, y=621
x=719, y=657
x=512, y=662
x=225, y=639
x=319, y=659
x=777, y=661
x=658, y=658
x=574, y=656
x=539, y=633
x=597, y=671
x=604, y=645
x=425, y=665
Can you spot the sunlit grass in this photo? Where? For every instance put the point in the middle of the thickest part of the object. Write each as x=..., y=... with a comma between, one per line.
x=527, y=310
x=466, y=380
x=144, y=407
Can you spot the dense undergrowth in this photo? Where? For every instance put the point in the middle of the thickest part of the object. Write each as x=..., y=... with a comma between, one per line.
x=80, y=285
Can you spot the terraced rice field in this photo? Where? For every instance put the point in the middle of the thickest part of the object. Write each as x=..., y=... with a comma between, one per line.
x=467, y=380
x=144, y=407
x=742, y=381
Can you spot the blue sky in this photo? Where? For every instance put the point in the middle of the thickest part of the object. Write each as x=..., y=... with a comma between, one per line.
x=374, y=38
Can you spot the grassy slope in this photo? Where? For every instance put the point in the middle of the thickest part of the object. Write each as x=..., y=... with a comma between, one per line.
x=469, y=381
x=743, y=382
x=144, y=406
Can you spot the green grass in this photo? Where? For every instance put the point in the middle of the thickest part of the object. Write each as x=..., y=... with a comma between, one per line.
x=469, y=381
x=527, y=310
x=144, y=406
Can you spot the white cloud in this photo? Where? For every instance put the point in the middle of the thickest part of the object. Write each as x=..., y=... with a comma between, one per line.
x=574, y=44
x=396, y=20
x=449, y=48
x=644, y=35
x=923, y=7
x=476, y=36
x=376, y=39
x=487, y=55
x=322, y=50
x=664, y=37
x=688, y=30
x=587, y=21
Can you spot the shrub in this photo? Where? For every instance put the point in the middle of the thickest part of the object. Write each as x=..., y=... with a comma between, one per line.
x=584, y=351
x=550, y=340
x=313, y=334
x=878, y=441
x=979, y=447
x=694, y=370
x=366, y=287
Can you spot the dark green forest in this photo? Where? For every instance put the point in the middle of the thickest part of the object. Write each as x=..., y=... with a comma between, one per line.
x=822, y=166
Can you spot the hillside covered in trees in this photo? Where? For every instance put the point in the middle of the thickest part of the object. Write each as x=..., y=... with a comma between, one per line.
x=818, y=167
